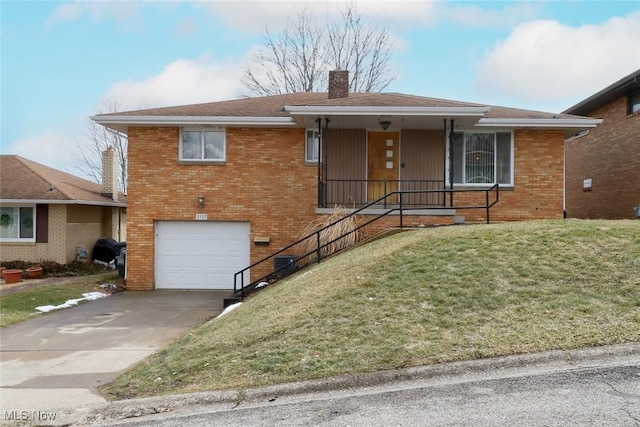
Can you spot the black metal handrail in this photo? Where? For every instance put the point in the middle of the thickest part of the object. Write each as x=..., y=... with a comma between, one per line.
x=399, y=206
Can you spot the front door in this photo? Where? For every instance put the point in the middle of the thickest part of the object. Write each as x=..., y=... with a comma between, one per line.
x=382, y=171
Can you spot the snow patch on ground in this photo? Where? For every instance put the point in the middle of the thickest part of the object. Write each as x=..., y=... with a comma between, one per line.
x=230, y=308
x=90, y=296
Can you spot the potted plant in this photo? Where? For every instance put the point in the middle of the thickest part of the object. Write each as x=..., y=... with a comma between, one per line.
x=12, y=276
x=34, y=272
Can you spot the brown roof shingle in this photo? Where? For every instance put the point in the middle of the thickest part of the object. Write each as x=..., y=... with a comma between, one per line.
x=273, y=106
x=24, y=179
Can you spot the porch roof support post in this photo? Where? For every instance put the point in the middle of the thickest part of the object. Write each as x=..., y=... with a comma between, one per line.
x=449, y=136
x=321, y=187
x=326, y=156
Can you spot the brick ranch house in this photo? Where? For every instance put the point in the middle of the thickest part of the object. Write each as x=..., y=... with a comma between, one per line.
x=214, y=187
x=603, y=164
x=50, y=215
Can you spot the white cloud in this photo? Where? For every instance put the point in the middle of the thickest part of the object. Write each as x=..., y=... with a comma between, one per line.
x=254, y=16
x=51, y=147
x=123, y=12
x=549, y=61
x=475, y=16
x=181, y=82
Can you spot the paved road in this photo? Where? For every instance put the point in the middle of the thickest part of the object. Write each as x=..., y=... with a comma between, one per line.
x=599, y=387
x=591, y=397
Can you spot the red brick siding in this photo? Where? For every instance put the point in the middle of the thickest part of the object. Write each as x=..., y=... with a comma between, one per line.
x=610, y=156
x=538, y=182
x=264, y=181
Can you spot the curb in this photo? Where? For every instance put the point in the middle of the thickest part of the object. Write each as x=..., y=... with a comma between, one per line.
x=460, y=372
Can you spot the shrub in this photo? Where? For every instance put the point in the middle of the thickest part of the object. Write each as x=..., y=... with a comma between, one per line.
x=52, y=268
x=330, y=240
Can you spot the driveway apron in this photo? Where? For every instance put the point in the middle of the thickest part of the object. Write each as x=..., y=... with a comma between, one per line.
x=58, y=360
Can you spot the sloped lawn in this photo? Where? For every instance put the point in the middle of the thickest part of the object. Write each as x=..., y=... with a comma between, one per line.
x=416, y=298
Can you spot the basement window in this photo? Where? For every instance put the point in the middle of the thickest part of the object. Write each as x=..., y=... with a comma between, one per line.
x=202, y=145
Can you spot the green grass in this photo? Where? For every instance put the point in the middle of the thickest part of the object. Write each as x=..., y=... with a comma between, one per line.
x=21, y=305
x=417, y=298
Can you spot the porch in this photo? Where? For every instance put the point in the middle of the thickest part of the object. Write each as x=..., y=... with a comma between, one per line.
x=359, y=166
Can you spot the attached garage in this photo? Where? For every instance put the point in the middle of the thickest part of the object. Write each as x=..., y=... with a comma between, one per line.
x=200, y=254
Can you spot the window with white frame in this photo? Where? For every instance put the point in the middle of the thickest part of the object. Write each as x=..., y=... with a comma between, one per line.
x=202, y=145
x=17, y=223
x=483, y=158
x=312, y=146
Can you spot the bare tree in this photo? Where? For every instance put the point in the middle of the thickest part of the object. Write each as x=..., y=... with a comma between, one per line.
x=298, y=58
x=89, y=155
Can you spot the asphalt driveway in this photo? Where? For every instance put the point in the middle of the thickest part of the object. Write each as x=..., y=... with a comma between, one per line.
x=59, y=360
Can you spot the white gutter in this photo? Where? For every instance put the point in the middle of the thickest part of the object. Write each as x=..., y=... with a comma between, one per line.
x=5, y=202
x=386, y=111
x=192, y=120
x=539, y=123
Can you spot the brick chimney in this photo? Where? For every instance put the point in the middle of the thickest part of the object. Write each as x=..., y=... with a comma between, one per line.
x=110, y=174
x=338, y=83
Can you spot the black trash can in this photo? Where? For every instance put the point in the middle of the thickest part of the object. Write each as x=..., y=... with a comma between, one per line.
x=121, y=262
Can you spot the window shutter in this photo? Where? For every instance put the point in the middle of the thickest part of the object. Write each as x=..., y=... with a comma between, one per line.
x=42, y=223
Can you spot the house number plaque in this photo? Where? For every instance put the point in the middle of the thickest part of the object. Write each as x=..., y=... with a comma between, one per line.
x=201, y=217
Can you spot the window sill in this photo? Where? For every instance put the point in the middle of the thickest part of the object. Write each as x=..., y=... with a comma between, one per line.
x=202, y=162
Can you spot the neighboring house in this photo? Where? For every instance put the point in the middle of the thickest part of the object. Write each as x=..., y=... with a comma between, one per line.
x=214, y=187
x=50, y=215
x=603, y=164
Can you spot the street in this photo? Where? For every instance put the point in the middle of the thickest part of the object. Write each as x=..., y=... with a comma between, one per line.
x=602, y=396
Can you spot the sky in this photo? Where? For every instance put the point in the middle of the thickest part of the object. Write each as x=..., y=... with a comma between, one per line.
x=63, y=61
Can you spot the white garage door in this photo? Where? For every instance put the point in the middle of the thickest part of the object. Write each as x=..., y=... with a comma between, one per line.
x=200, y=254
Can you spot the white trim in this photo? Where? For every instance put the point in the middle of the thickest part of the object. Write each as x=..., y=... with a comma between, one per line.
x=203, y=159
x=33, y=225
x=193, y=120
x=385, y=111
x=539, y=123
x=512, y=172
x=306, y=151
x=61, y=202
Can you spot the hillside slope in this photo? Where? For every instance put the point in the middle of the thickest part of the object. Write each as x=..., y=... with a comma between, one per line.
x=415, y=298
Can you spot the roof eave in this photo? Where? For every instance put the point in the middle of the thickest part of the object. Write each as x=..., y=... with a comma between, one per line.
x=62, y=202
x=123, y=122
x=570, y=126
x=616, y=89
x=386, y=111
x=539, y=123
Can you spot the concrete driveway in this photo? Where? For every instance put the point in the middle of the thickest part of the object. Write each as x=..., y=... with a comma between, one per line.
x=59, y=360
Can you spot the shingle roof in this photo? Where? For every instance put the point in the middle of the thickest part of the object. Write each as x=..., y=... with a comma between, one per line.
x=23, y=179
x=273, y=106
